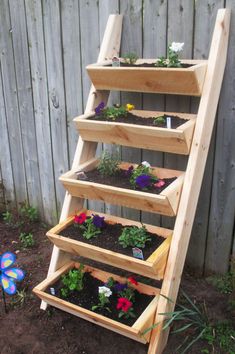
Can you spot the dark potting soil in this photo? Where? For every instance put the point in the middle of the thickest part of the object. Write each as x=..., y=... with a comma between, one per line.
x=134, y=119
x=150, y=65
x=122, y=181
x=88, y=297
x=108, y=239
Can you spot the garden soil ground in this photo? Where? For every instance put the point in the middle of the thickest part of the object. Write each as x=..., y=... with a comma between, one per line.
x=28, y=330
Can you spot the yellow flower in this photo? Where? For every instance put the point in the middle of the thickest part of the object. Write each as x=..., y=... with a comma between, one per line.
x=129, y=106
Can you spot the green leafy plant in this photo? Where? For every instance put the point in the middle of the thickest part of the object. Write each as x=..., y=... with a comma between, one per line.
x=27, y=240
x=159, y=120
x=222, y=334
x=130, y=58
x=72, y=281
x=108, y=165
x=20, y=298
x=112, y=113
x=172, y=60
x=133, y=236
x=89, y=229
x=28, y=212
x=224, y=283
x=8, y=217
x=104, y=294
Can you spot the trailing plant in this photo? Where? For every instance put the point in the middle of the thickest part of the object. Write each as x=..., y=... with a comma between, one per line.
x=72, y=281
x=104, y=294
x=130, y=58
x=141, y=177
x=133, y=236
x=112, y=113
x=172, y=60
x=91, y=226
x=108, y=165
x=27, y=240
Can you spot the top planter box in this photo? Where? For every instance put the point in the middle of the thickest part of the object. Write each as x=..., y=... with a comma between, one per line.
x=181, y=81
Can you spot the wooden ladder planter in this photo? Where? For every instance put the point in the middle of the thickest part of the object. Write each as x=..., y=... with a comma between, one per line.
x=176, y=141
x=134, y=332
x=180, y=81
x=152, y=267
x=165, y=203
x=180, y=198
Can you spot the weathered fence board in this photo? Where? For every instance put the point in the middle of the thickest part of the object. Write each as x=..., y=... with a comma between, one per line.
x=44, y=49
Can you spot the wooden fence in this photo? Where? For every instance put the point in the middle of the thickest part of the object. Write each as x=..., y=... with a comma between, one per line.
x=45, y=46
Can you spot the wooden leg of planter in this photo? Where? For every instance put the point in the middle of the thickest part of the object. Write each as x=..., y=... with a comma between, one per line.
x=85, y=150
x=193, y=177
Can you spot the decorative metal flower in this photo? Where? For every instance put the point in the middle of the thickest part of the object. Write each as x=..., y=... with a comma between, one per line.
x=9, y=275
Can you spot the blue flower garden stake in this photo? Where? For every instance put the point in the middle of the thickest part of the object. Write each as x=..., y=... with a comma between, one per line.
x=9, y=275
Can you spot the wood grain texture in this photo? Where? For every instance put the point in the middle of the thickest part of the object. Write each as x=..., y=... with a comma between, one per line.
x=12, y=105
x=41, y=109
x=25, y=101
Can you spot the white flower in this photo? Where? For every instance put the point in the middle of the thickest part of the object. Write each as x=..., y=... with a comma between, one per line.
x=176, y=47
x=145, y=163
x=104, y=290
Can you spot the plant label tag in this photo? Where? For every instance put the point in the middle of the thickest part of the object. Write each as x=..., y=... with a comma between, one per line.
x=115, y=61
x=52, y=291
x=81, y=175
x=168, y=122
x=137, y=253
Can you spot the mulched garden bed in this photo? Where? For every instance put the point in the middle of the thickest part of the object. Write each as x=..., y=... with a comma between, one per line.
x=88, y=297
x=120, y=180
x=134, y=119
x=108, y=239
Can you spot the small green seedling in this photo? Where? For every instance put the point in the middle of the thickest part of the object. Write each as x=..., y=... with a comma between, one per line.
x=159, y=120
x=133, y=236
x=27, y=240
x=8, y=217
x=72, y=281
x=130, y=58
x=28, y=213
x=112, y=113
x=108, y=165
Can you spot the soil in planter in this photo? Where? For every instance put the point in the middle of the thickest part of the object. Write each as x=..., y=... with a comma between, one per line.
x=151, y=65
x=88, y=297
x=108, y=239
x=134, y=119
x=121, y=181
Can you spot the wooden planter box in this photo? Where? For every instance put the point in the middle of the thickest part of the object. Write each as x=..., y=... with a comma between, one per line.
x=153, y=267
x=181, y=81
x=143, y=322
x=165, y=203
x=153, y=138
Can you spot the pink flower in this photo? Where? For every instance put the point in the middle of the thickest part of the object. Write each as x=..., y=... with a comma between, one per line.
x=132, y=280
x=123, y=304
x=79, y=219
x=160, y=183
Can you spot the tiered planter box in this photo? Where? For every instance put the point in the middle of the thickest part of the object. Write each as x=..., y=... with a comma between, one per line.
x=165, y=203
x=153, y=267
x=135, y=331
x=153, y=138
x=180, y=81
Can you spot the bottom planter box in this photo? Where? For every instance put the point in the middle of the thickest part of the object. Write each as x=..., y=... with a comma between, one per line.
x=153, y=266
x=135, y=331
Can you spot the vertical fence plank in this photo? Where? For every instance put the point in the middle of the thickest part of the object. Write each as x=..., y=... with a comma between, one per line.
x=41, y=109
x=131, y=42
x=26, y=111
x=5, y=154
x=11, y=104
x=205, y=14
x=53, y=47
x=154, y=46
x=72, y=69
x=222, y=211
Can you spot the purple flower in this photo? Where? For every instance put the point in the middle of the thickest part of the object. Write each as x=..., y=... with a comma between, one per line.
x=120, y=287
x=143, y=181
x=99, y=108
x=98, y=221
x=128, y=172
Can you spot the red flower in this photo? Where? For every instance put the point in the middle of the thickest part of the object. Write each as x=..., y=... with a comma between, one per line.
x=123, y=304
x=132, y=281
x=79, y=219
